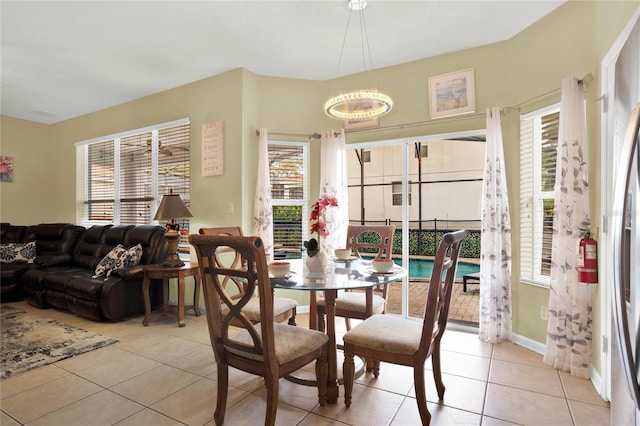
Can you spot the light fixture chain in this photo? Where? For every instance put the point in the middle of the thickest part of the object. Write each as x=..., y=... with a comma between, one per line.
x=366, y=38
x=344, y=42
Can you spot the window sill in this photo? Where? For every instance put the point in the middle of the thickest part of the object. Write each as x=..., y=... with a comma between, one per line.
x=535, y=283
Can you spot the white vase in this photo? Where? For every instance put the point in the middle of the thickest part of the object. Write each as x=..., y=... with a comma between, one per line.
x=316, y=263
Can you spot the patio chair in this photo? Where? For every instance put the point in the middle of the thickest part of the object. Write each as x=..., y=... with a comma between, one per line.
x=283, y=308
x=397, y=340
x=352, y=304
x=267, y=349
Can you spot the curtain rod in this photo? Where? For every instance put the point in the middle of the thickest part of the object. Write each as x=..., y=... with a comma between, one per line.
x=585, y=81
x=312, y=136
x=419, y=123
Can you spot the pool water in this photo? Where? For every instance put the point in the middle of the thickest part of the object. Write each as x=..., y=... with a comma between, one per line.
x=421, y=268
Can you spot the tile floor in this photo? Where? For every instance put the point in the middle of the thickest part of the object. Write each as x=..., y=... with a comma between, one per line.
x=165, y=375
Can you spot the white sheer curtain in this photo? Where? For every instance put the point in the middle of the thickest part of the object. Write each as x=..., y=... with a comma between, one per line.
x=495, y=263
x=569, y=326
x=262, y=210
x=333, y=183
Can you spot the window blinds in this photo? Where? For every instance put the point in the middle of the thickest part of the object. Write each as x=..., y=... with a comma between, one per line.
x=538, y=153
x=121, y=179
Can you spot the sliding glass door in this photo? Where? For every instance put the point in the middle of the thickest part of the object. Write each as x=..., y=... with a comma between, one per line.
x=425, y=187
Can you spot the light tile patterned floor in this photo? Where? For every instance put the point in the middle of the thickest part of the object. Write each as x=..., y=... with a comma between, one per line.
x=165, y=375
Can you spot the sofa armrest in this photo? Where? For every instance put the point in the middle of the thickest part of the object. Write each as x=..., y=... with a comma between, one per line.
x=57, y=259
x=131, y=273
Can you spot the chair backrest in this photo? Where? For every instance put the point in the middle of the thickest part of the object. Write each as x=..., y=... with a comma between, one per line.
x=232, y=259
x=439, y=293
x=223, y=311
x=371, y=240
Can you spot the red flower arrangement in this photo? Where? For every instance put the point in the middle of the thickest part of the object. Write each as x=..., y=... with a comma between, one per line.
x=317, y=212
x=318, y=224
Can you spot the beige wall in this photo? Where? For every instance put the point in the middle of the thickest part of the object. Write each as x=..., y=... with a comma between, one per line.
x=571, y=40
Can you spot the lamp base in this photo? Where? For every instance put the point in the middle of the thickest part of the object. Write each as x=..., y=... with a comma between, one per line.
x=172, y=260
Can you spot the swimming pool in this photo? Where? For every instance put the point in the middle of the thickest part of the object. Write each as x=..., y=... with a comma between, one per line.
x=421, y=268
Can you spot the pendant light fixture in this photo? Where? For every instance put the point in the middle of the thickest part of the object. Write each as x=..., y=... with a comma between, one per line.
x=358, y=105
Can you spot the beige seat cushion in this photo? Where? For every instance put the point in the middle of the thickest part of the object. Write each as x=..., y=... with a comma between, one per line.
x=354, y=301
x=252, y=309
x=387, y=333
x=291, y=342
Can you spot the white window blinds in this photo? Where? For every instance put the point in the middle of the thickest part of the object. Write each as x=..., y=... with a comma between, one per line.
x=121, y=178
x=288, y=162
x=538, y=152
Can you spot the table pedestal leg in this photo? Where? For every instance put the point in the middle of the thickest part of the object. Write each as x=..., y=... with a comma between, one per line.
x=147, y=302
x=313, y=311
x=181, y=322
x=332, y=380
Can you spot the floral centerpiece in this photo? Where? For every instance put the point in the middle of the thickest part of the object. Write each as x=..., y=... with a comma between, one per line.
x=318, y=223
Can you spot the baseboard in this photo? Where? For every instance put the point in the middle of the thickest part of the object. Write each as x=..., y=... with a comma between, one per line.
x=527, y=343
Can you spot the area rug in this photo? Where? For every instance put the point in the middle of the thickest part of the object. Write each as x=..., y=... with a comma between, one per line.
x=29, y=342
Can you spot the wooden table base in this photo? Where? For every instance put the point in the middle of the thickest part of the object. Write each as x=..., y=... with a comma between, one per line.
x=165, y=273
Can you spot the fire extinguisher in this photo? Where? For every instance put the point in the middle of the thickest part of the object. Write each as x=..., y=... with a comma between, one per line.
x=588, y=260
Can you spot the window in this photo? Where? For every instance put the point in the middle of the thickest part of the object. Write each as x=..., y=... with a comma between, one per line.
x=396, y=193
x=121, y=178
x=287, y=166
x=538, y=152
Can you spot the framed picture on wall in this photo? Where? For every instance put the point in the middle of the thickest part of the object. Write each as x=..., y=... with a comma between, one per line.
x=361, y=124
x=452, y=94
x=6, y=168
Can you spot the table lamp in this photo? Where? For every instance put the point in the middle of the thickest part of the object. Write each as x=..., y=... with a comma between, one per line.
x=171, y=208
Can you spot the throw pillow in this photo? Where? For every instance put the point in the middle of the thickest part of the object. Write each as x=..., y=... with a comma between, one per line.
x=18, y=252
x=108, y=263
x=130, y=257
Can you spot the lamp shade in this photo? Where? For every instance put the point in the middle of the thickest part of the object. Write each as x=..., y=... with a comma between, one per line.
x=172, y=207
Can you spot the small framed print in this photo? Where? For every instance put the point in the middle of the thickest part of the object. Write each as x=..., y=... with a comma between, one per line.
x=452, y=94
x=6, y=168
x=361, y=124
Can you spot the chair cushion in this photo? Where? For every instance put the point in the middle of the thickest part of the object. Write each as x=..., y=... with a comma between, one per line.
x=252, y=309
x=353, y=301
x=387, y=333
x=291, y=342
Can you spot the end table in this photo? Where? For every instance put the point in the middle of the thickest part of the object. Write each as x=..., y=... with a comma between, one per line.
x=164, y=273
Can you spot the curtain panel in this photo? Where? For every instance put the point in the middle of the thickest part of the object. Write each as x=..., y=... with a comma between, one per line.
x=495, y=259
x=263, y=211
x=333, y=183
x=569, y=328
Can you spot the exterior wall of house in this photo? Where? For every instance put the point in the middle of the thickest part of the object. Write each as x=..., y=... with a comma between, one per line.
x=571, y=40
x=448, y=163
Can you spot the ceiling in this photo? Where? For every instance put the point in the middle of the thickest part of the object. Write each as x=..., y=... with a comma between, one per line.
x=63, y=59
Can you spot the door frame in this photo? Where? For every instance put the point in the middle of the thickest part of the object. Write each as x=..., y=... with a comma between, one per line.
x=405, y=143
x=605, y=236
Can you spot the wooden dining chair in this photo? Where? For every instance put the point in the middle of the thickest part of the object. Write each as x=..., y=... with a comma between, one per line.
x=375, y=241
x=397, y=340
x=283, y=308
x=267, y=349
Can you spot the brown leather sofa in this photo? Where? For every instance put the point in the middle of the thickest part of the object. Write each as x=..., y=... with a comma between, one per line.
x=62, y=274
x=51, y=239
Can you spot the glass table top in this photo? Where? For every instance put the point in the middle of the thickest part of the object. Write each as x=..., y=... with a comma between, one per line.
x=337, y=275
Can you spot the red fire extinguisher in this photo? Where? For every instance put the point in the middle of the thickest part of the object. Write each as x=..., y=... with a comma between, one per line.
x=588, y=260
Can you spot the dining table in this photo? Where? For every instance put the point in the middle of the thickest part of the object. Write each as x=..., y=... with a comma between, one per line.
x=337, y=275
